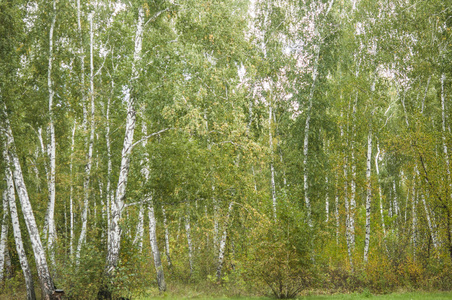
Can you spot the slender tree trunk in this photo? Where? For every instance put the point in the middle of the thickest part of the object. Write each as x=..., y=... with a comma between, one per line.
x=71, y=194
x=414, y=218
x=51, y=148
x=109, y=192
x=189, y=240
x=353, y=182
x=9, y=196
x=215, y=222
x=429, y=222
x=46, y=282
x=336, y=213
x=327, y=202
x=167, y=247
x=89, y=163
x=377, y=157
x=369, y=194
x=4, y=235
x=347, y=208
x=306, y=139
x=223, y=243
x=138, y=240
x=155, y=250
x=272, y=168
x=118, y=203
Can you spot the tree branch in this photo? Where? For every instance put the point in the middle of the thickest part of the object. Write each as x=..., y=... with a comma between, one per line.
x=148, y=136
x=152, y=19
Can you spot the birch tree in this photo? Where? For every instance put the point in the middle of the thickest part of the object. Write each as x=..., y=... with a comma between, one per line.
x=46, y=282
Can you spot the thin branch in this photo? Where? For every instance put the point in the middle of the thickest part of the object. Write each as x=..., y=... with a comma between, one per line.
x=152, y=19
x=148, y=136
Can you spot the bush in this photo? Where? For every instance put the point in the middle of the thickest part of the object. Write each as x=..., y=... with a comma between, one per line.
x=279, y=252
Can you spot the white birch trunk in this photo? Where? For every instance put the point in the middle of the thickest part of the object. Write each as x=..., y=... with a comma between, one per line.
x=327, y=202
x=272, y=168
x=155, y=250
x=109, y=192
x=138, y=240
x=353, y=183
x=82, y=66
x=71, y=193
x=336, y=213
x=306, y=140
x=88, y=166
x=46, y=282
x=396, y=202
x=189, y=241
x=51, y=148
x=347, y=209
x=377, y=157
x=215, y=223
x=414, y=219
x=223, y=243
x=429, y=222
x=369, y=195
x=167, y=247
x=9, y=196
x=118, y=203
x=4, y=235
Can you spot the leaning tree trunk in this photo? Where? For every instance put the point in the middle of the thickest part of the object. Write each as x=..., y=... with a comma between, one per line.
x=9, y=196
x=45, y=280
x=118, y=204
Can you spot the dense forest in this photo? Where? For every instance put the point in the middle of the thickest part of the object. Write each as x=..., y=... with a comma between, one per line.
x=260, y=147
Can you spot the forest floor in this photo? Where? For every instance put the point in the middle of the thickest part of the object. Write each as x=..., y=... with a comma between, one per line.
x=354, y=296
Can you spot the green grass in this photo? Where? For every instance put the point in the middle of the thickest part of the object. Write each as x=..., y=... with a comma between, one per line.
x=355, y=296
x=395, y=296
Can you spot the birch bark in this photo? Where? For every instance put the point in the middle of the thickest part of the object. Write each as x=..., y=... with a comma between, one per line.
x=223, y=243
x=46, y=282
x=167, y=248
x=272, y=168
x=353, y=182
x=9, y=197
x=189, y=241
x=306, y=138
x=4, y=235
x=369, y=194
x=118, y=203
x=377, y=158
x=71, y=193
x=88, y=166
x=52, y=146
x=155, y=250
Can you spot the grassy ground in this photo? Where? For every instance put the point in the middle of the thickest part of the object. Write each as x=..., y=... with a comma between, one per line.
x=395, y=296
x=355, y=296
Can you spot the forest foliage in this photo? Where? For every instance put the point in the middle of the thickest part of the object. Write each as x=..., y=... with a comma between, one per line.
x=253, y=147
